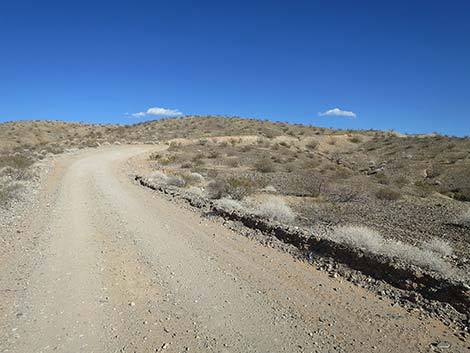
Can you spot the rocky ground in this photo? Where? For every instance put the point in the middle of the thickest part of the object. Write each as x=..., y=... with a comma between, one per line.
x=266, y=232
x=103, y=264
x=331, y=184
x=408, y=192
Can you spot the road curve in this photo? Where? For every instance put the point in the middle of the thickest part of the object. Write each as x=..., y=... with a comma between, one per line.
x=107, y=266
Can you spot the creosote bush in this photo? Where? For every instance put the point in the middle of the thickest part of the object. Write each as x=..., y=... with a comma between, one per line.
x=264, y=165
x=236, y=188
x=355, y=139
x=312, y=144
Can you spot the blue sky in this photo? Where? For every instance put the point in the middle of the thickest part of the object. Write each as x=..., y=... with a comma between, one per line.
x=402, y=65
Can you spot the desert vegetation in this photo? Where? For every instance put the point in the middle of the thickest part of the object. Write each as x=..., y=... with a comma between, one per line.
x=429, y=255
x=25, y=143
x=409, y=188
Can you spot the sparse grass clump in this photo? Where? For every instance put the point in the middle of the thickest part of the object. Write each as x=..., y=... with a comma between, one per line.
x=372, y=241
x=359, y=237
x=276, y=209
x=439, y=246
x=227, y=204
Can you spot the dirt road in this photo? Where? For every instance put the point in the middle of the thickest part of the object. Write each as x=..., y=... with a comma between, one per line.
x=106, y=266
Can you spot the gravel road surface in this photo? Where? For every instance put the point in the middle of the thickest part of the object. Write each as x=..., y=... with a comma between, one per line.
x=103, y=265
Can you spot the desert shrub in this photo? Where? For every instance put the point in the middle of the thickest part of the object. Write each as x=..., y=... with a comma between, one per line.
x=196, y=191
x=174, y=145
x=455, y=182
x=276, y=209
x=264, y=165
x=213, y=154
x=16, y=174
x=359, y=237
x=462, y=194
x=312, y=144
x=401, y=181
x=158, y=176
x=463, y=219
x=227, y=204
x=414, y=255
x=269, y=134
x=424, y=188
x=355, y=139
x=166, y=160
x=372, y=241
x=310, y=185
x=9, y=191
x=382, y=179
x=270, y=189
x=434, y=170
x=290, y=167
x=16, y=160
x=198, y=159
x=344, y=193
x=175, y=180
x=192, y=178
x=438, y=246
x=232, y=162
x=387, y=194
x=235, y=187
x=233, y=141
x=342, y=173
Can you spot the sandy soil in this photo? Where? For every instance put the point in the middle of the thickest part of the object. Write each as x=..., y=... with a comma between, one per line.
x=107, y=266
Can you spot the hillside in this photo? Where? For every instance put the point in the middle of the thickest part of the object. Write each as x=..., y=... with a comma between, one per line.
x=177, y=221
x=409, y=187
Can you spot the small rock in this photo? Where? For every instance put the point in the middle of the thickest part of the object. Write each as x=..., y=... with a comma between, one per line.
x=442, y=345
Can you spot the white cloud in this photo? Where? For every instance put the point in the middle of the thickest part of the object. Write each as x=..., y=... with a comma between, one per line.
x=156, y=111
x=338, y=112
